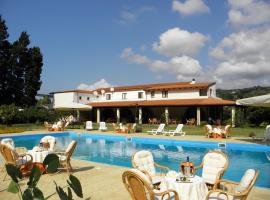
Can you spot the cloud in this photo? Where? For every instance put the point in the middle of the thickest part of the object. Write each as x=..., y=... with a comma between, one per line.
x=243, y=58
x=128, y=16
x=177, y=42
x=183, y=67
x=190, y=7
x=249, y=12
x=102, y=83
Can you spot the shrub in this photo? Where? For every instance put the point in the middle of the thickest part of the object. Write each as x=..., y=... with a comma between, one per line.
x=8, y=113
x=138, y=128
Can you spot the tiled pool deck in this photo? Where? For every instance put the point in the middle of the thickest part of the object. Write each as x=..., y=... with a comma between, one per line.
x=101, y=182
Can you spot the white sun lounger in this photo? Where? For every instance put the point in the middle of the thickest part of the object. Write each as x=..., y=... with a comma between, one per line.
x=157, y=131
x=102, y=126
x=89, y=125
x=177, y=131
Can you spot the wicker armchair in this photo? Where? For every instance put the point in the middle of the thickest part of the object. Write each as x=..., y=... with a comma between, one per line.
x=208, y=129
x=140, y=187
x=144, y=161
x=213, y=167
x=225, y=189
x=12, y=157
x=65, y=156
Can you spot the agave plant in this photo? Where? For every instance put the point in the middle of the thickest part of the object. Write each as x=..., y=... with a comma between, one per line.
x=51, y=162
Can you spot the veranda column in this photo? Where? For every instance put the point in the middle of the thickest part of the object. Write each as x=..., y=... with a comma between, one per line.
x=118, y=115
x=140, y=115
x=98, y=115
x=233, y=116
x=167, y=115
x=78, y=115
x=198, y=116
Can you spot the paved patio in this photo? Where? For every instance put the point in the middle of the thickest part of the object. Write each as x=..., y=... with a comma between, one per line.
x=101, y=182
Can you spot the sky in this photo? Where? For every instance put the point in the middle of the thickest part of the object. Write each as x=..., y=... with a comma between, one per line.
x=90, y=44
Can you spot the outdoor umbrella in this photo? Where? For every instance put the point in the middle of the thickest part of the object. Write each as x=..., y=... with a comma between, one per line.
x=259, y=101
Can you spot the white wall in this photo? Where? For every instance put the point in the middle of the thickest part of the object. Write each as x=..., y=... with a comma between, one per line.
x=63, y=98
x=213, y=93
x=84, y=98
x=176, y=94
x=117, y=96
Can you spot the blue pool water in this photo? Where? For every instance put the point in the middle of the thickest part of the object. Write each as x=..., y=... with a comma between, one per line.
x=117, y=150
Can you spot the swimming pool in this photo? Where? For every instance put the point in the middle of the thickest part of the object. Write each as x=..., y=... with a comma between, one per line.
x=117, y=150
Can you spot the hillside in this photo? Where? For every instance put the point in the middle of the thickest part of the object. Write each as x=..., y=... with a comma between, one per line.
x=235, y=94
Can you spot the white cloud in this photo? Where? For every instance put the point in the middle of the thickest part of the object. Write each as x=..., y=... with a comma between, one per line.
x=177, y=42
x=249, y=12
x=183, y=67
x=128, y=16
x=190, y=7
x=243, y=58
x=102, y=83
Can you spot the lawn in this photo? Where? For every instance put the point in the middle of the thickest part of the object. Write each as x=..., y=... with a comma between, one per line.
x=196, y=130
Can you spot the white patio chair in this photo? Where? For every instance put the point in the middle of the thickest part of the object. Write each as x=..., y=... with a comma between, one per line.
x=177, y=131
x=267, y=133
x=157, y=131
x=144, y=161
x=227, y=131
x=140, y=187
x=10, y=143
x=208, y=130
x=225, y=189
x=102, y=126
x=49, y=140
x=89, y=125
x=213, y=167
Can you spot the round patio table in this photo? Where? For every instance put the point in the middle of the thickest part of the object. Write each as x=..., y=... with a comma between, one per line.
x=196, y=189
x=39, y=155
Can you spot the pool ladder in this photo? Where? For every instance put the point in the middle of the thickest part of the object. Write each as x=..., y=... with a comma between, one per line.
x=222, y=145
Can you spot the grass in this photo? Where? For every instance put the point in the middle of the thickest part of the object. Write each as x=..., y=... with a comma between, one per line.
x=18, y=128
x=196, y=130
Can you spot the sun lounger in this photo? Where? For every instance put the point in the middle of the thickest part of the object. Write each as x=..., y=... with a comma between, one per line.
x=89, y=125
x=157, y=131
x=177, y=131
x=102, y=126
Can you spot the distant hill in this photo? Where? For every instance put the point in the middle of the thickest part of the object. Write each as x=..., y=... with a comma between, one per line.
x=235, y=94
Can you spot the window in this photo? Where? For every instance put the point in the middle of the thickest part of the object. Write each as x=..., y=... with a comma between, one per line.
x=203, y=92
x=124, y=95
x=88, y=98
x=165, y=94
x=152, y=94
x=140, y=95
x=108, y=96
x=80, y=98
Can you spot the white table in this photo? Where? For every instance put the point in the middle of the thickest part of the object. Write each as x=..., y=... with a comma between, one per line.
x=38, y=155
x=194, y=190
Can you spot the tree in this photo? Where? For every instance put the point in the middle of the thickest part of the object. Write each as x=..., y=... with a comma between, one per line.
x=20, y=61
x=32, y=76
x=5, y=70
x=20, y=69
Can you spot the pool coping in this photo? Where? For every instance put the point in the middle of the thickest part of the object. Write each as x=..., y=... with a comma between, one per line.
x=156, y=141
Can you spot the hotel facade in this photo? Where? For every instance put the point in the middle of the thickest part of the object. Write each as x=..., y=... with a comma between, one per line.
x=168, y=102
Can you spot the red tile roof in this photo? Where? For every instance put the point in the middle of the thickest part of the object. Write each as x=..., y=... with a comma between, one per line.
x=149, y=87
x=171, y=102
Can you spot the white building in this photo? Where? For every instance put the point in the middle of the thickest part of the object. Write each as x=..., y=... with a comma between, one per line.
x=172, y=102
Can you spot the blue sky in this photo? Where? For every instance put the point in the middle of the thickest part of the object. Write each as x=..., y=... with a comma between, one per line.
x=102, y=43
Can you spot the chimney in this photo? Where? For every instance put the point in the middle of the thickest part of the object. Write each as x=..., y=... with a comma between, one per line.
x=193, y=81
